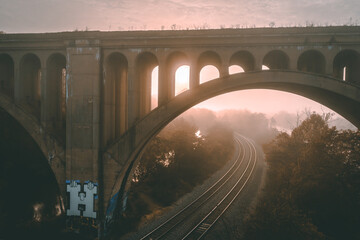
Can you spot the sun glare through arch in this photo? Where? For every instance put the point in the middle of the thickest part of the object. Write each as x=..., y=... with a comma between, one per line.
x=208, y=73
x=182, y=79
x=235, y=69
x=154, y=87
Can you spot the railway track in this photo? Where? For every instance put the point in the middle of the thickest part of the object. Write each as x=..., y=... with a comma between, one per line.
x=163, y=230
x=199, y=231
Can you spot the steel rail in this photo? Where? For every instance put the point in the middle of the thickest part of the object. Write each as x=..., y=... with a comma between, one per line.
x=206, y=223
x=180, y=216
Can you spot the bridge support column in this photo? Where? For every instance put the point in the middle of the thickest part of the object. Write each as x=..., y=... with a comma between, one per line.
x=43, y=109
x=258, y=65
x=224, y=70
x=133, y=95
x=258, y=61
x=83, y=111
x=164, y=85
x=17, y=87
x=329, y=68
x=194, y=74
x=293, y=63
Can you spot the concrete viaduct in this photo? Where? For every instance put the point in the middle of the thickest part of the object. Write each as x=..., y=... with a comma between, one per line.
x=85, y=97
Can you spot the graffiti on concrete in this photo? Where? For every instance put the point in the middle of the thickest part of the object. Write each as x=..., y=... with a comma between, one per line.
x=81, y=202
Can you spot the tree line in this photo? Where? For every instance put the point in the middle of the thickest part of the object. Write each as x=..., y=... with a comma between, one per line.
x=174, y=162
x=313, y=185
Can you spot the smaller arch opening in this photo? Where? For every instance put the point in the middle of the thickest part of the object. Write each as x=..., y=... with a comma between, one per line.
x=115, y=96
x=177, y=73
x=235, y=69
x=244, y=59
x=346, y=66
x=264, y=67
x=154, y=87
x=7, y=75
x=208, y=73
x=209, y=58
x=182, y=79
x=30, y=78
x=145, y=64
x=311, y=61
x=276, y=59
x=55, y=114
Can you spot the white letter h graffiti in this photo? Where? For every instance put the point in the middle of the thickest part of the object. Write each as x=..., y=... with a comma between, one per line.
x=81, y=201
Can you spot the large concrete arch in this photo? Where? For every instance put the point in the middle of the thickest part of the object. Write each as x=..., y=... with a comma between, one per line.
x=52, y=150
x=28, y=182
x=340, y=96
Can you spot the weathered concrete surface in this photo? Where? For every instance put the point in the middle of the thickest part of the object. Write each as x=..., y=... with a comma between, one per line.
x=83, y=110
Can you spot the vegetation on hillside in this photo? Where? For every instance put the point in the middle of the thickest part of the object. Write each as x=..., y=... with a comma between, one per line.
x=313, y=185
x=174, y=162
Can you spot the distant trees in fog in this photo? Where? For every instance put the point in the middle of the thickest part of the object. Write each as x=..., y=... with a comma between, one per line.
x=174, y=162
x=313, y=185
x=254, y=125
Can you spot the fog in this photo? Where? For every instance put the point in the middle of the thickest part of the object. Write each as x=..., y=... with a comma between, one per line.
x=259, y=126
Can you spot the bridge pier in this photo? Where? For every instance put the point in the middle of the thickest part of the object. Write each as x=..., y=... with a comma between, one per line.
x=133, y=95
x=164, y=85
x=83, y=110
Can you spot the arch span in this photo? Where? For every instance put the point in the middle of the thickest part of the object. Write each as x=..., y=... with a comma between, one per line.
x=31, y=196
x=49, y=146
x=340, y=96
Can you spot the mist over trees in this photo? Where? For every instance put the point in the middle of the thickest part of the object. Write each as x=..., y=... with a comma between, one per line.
x=307, y=170
x=313, y=185
x=259, y=126
x=253, y=125
x=285, y=121
x=174, y=162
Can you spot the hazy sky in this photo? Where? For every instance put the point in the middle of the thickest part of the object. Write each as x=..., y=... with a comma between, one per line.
x=68, y=15
x=114, y=15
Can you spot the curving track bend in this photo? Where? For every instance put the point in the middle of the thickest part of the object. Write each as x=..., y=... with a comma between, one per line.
x=195, y=219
